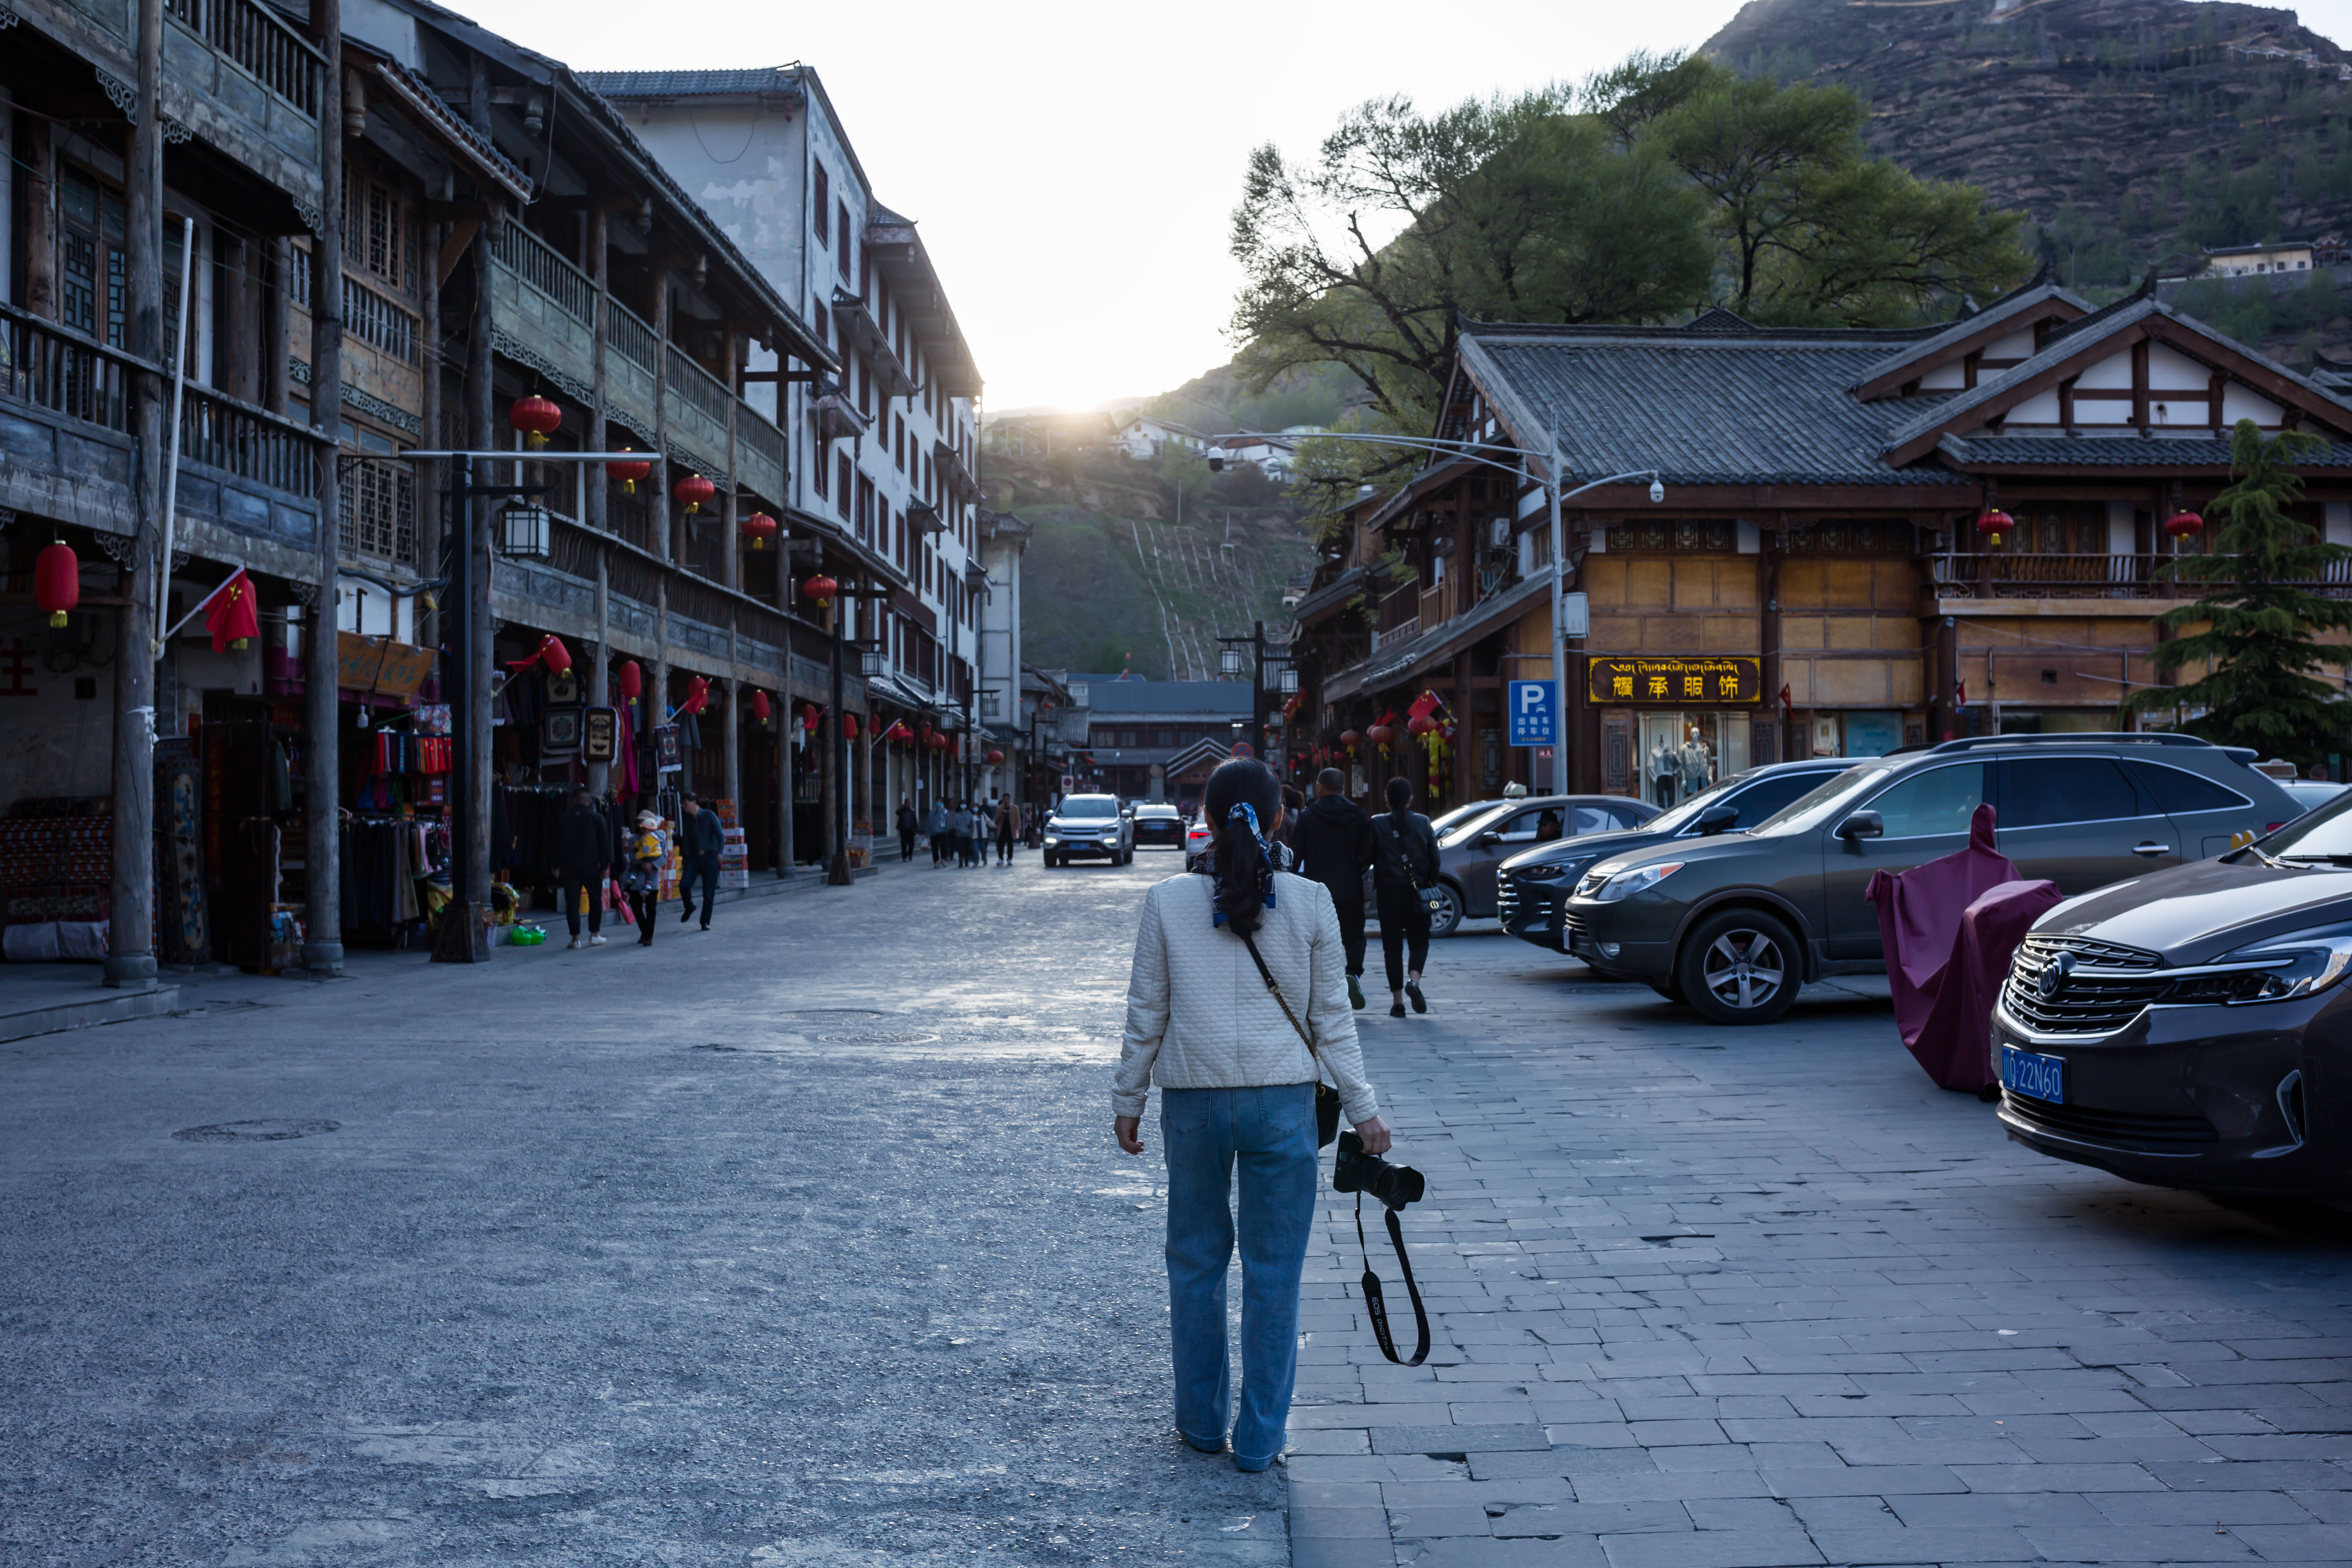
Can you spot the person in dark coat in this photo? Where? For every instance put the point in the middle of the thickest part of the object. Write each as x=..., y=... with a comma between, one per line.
x=1334, y=843
x=906, y=826
x=699, y=841
x=1404, y=861
x=583, y=856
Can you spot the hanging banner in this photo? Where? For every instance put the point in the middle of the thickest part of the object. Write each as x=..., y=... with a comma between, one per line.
x=667, y=757
x=599, y=731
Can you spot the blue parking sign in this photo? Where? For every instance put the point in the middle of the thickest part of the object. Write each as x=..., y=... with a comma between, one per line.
x=1534, y=721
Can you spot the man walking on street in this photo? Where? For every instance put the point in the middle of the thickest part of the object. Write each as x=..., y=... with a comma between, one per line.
x=1334, y=840
x=583, y=853
x=699, y=844
x=906, y=830
x=939, y=832
x=1005, y=826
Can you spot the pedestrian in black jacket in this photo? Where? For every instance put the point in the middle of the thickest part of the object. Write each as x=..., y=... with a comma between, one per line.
x=699, y=841
x=1404, y=861
x=583, y=855
x=906, y=826
x=1334, y=841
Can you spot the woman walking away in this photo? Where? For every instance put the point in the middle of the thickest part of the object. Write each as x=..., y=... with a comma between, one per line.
x=643, y=885
x=1404, y=861
x=1237, y=1073
x=1008, y=823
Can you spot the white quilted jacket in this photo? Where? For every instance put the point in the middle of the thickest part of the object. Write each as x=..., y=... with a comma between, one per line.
x=1198, y=1016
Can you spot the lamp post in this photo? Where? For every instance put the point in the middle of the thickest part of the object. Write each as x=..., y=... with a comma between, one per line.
x=1229, y=663
x=1473, y=451
x=464, y=938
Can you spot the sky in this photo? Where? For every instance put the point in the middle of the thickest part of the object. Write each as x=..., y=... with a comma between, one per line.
x=1074, y=168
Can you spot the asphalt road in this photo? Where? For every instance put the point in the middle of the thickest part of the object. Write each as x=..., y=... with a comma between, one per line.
x=804, y=1243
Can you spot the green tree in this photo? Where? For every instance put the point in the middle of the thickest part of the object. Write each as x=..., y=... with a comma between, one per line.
x=1811, y=229
x=2259, y=622
x=1369, y=255
x=1185, y=472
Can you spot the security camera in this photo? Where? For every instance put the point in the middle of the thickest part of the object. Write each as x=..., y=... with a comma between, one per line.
x=1216, y=465
x=1657, y=491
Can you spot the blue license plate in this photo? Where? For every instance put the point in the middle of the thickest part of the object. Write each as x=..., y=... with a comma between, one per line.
x=2035, y=1076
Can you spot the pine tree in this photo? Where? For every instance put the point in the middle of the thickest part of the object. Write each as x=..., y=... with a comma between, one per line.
x=2260, y=620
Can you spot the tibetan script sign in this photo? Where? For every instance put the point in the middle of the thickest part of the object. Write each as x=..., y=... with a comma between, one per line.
x=1676, y=682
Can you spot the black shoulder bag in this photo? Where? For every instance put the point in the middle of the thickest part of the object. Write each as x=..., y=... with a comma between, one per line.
x=1326, y=1128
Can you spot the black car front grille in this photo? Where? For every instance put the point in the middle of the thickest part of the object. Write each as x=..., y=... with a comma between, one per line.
x=2123, y=1129
x=1572, y=931
x=2081, y=1003
x=1507, y=900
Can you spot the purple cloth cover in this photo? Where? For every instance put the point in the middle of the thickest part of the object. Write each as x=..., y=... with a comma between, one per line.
x=1951, y=927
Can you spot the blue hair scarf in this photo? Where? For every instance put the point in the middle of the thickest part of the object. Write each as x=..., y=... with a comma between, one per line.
x=1244, y=811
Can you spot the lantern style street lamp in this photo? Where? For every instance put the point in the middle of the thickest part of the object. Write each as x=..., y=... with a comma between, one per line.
x=523, y=531
x=1229, y=661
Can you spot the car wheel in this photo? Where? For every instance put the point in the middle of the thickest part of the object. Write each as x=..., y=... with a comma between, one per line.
x=1052, y=861
x=1739, y=967
x=1447, y=916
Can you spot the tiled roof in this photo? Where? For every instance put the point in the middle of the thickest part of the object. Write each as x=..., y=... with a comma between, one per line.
x=2114, y=451
x=736, y=83
x=2017, y=305
x=1339, y=590
x=1705, y=409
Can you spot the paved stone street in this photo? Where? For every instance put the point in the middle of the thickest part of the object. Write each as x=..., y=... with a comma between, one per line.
x=804, y=1243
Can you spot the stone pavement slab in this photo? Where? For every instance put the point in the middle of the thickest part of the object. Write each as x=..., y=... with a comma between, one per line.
x=1773, y=1298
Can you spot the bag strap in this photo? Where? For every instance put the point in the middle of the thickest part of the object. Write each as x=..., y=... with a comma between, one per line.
x=1279, y=1000
x=1376, y=1307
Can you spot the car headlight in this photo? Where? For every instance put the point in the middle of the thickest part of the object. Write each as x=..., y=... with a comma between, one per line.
x=1553, y=876
x=1053, y=839
x=1640, y=879
x=2303, y=963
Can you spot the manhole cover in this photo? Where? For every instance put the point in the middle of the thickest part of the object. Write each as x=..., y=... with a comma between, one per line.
x=878, y=1037
x=268, y=1130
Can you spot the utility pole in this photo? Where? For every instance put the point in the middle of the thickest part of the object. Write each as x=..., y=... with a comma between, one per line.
x=322, y=906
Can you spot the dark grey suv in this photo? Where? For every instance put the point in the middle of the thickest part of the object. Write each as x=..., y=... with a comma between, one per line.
x=1735, y=924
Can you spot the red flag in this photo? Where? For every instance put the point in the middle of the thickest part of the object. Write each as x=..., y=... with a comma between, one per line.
x=1786, y=705
x=1959, y=694
x=233, y=615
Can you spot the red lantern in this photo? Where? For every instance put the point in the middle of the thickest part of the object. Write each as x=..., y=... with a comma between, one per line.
x=536, y=418
x=822, y=589
x=995, y=758
x=555, y=655
x=808, y=715
x=939, y=742
x=759, y=528
x=760, y=709
x=2183, y=523
x=1349, y=738
x=629, y=473
x=632, y=680
x=693, y=490
x=1992, y=523
x=1422, y=725
x=698, y=696
x=850, y=726
x=57, y=581
x=1381, y=734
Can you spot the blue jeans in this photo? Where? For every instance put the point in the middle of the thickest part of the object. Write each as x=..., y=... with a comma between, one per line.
x=702, y=869
x=1270, y=1134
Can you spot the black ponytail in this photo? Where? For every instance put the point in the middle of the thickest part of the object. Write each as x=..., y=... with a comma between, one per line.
x=1400, y=803
x=1242, y=874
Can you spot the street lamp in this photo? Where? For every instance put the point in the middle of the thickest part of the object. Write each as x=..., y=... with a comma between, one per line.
x=1474, y=450
x=1229, y=661
x=1288, y=680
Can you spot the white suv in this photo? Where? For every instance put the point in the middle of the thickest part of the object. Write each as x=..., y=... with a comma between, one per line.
x=1089, y=826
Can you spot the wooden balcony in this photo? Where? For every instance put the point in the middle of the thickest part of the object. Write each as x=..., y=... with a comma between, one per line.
x=66, y=433
x=546, y=311
x=2000, y=575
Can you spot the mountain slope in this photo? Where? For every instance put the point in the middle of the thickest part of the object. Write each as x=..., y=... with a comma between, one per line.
x=2130, y=130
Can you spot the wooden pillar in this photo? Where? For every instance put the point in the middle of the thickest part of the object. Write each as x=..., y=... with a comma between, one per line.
x=657, y=707
x=1768, y=636
x=600, y=416
x=40, y=218
x=322, y=907
x=600, y=667
x=474, y=890
x=277, y=330
x=666, y=542
x=131, y=943
x=730, y=554
x=731, y=713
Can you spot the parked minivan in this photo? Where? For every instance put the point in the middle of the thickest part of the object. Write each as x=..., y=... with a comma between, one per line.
x=1736, y=923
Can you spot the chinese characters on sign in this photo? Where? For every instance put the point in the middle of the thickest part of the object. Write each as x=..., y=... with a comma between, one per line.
x=1677, y=682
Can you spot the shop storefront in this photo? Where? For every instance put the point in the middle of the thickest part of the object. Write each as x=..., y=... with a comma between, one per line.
x=1670, y=727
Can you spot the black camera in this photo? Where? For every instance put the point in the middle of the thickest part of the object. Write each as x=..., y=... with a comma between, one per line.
x=1356, y=1171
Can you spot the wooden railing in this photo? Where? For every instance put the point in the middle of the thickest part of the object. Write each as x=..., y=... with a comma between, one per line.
x=538, y=264
x=698, y=387
x=279, y=58
x=2000, y=575
x=251, y=443
x=378, y=321
x=626, y=332
x=56, y=368
x=766, y=442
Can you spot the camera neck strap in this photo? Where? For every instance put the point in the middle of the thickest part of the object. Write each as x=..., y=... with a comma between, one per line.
x=1376, y=1306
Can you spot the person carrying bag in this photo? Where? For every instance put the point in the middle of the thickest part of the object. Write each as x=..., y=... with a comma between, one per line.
x=1237, y=1008
x=1404, y=882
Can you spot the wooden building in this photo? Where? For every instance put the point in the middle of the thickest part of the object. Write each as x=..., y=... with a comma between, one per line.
x=1815, y=581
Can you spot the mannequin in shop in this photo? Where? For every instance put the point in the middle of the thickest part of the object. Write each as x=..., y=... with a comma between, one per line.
x=1697, y=761
x=1665, y=774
